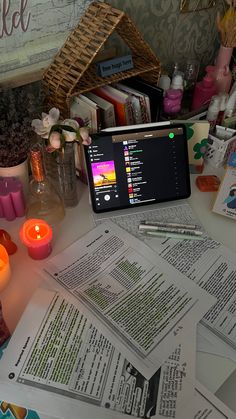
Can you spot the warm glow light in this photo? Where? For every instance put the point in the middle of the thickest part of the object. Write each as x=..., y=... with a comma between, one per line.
x=37, y=229
x=5, y=271
x=37, y=236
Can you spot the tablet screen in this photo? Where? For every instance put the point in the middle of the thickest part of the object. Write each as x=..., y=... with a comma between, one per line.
x=138, y=166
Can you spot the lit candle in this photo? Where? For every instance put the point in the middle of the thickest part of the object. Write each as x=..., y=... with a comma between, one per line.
x=5, y=271
x=37, y=236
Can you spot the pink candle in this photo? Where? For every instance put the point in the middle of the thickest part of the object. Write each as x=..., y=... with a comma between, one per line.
x=37, y=236
x=11, y=198
x=1, y=210
x=7, y=205
x=17, y=196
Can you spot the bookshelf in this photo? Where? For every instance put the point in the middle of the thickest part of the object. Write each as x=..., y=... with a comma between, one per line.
x=73, y=69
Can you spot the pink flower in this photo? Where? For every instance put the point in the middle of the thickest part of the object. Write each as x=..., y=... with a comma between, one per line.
x=84, y=134
x=60, y=132
x=55, y=140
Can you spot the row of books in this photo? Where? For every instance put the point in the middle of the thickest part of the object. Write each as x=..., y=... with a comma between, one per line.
x=110, y=106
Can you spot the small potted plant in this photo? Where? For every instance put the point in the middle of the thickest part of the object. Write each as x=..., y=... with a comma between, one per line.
x=16, y=136
x=15, y=142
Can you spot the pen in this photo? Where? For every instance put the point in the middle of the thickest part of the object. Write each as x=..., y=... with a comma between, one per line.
x=168, y=235
x=171, y=225
x=146, y=227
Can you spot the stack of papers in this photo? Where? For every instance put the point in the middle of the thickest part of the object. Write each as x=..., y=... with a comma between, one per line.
x=113, y=335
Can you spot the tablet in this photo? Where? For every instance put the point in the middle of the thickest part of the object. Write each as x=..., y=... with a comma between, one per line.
x=138, y=165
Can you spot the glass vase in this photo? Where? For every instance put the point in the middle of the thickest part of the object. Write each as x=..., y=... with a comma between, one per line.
x=62, y=172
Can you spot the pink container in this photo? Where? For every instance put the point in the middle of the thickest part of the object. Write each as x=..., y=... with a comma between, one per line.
x=222, y=73
x=203, y=92
x=172, y=101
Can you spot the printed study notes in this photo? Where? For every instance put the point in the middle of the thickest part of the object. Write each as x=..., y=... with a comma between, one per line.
x=140, y=302
x=71, y=370
x=207, y=263
x=59, y=364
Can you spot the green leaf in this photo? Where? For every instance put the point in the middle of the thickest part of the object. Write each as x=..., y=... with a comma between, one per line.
x=68, y=128
x=189, y=131
x=197, y=156
x=55, y=128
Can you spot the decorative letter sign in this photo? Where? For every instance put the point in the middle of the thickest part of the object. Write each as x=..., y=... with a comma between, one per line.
x=31, y=32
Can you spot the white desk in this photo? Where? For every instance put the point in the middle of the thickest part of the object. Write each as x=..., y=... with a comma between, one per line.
x=212, y=371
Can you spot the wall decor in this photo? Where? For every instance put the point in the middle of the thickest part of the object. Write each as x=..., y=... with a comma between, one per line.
x=31, y=32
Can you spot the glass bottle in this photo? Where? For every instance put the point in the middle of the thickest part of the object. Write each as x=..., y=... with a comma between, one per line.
x=66, y=175
x=43, y=202
x=190, y=79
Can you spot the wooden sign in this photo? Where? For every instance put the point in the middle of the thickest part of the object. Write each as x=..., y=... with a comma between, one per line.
x=31, y=32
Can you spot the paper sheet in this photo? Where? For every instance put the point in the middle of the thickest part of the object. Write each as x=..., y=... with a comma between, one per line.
x=59, y=364
x=207, y=406
x=207, y=263
x=141, y=303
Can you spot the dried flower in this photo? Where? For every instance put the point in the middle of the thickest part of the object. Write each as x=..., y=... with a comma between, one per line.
x=57, y=132
x=16, y=136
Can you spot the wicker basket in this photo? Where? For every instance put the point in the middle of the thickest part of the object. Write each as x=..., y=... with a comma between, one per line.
x=73, y=70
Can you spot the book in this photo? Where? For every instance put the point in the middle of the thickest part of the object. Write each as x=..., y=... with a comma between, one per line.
x=120, y=101
x=140, y=104
x=225, y=202
x=107, y=111
x=84, y=108
x=154, y=93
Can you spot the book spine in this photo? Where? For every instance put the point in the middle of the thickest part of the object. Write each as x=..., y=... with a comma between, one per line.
x=109, y=119
x=129, y=113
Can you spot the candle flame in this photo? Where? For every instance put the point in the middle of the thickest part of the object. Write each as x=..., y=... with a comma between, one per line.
x=2, y=264
x=37, y=229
